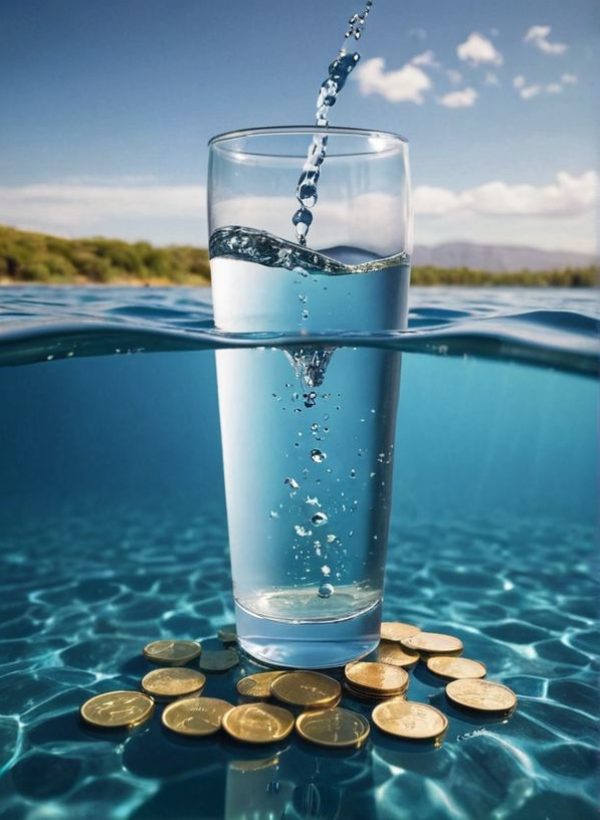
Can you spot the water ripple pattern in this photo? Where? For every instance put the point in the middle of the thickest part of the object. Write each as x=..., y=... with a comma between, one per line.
x=555, y=328
x=82, y=593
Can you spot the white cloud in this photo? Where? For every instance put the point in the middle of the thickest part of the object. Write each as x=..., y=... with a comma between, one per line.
x=538, y=37
x=478, y=49
x=454, y=76
x=459, y=99
x=491, y=78
x=76, y=208
x=527, y=92
x=427, y=58
x=567, y=196
x=492, y=212
x=406, y=84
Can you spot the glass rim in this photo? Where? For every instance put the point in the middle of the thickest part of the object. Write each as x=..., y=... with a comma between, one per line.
x=308, y=130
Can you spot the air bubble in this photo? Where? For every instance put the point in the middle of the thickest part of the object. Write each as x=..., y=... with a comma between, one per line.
x=291, y=482
x=302, y=531
x=331, y=538
x=326, y=570
x=273, y=514
x=318, y=456
x=319, y=518
x=326, y=591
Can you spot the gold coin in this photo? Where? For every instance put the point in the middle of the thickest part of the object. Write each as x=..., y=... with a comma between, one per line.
x=410, y=720
x=173, y=682
x=481, y=695
x=433, y=643
x=308, y=689
x=455, y=668
x=218, y=660
x=258, y=723
x=257, y=685
x=369, y=697
x=116, y=710
x=172, y=653
x=338, y=728
x=393, y=652
x=195, y=716
x=227, y=634
x=394, y=631
x=379, y=678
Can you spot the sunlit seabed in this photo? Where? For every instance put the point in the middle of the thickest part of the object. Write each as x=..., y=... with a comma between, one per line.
x=492, y=540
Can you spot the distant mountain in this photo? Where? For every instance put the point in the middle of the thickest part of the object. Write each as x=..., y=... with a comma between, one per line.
x=498, y=258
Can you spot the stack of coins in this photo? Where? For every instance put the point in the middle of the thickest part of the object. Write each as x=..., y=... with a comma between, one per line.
x=375, y=681
x=308, y=701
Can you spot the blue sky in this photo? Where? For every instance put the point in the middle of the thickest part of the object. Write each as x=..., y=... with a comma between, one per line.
x=107, y=108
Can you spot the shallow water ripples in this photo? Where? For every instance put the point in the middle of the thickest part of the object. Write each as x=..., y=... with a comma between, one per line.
x=80, y=594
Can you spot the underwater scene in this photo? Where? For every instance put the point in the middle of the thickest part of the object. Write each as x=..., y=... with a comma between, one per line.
x=113, y=533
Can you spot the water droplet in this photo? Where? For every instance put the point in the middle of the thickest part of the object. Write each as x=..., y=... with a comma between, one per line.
x=318, y=456
x=326, y=570
x=291, y=482
x=319, y=518
x=352, y=473
x=331, y=538
x=326, y=591
x=313, y=501
x=314, y=427
x=273, y=514
x=371, y=475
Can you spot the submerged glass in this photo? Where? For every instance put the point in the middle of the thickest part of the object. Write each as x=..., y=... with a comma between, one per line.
x=308, y=429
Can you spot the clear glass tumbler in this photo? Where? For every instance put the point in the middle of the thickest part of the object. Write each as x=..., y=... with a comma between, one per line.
x=308, y=425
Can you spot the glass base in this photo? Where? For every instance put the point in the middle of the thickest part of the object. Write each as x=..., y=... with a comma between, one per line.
x=308, y=644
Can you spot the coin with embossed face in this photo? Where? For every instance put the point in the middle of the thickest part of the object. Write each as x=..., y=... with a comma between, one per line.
x=338, y=728
x=195, y=716
x=410, y=720
x=455, y=668
x=433, y=643
x=218, y=660
x=257, y=685
x=117, y=710
x=173, y=682
x=308, y=689
x=172, y=653
x=377, y=678
x=393, y=652
x=481, y=695
x=395, y=631
x=258, y=723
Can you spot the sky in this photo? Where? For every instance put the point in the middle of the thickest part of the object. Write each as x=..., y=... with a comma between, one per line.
x=107, y=108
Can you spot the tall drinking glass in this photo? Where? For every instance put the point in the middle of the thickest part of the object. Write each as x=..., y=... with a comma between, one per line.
x=308, y=425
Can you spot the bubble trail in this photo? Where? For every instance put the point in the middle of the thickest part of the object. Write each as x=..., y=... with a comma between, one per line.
x=339, y=71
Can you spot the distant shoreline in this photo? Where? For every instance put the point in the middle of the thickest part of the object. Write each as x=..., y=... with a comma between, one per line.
x=28, y=258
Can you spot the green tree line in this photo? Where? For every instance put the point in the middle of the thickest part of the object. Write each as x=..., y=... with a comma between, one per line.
x=41, y=259
x=27, y=257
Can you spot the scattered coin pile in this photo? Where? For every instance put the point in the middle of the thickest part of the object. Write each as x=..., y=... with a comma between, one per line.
x=307, y=701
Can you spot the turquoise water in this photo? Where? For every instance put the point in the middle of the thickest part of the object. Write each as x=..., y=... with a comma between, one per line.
x=112, y=533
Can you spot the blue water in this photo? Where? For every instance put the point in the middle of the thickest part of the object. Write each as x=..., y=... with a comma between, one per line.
x=112, y=528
